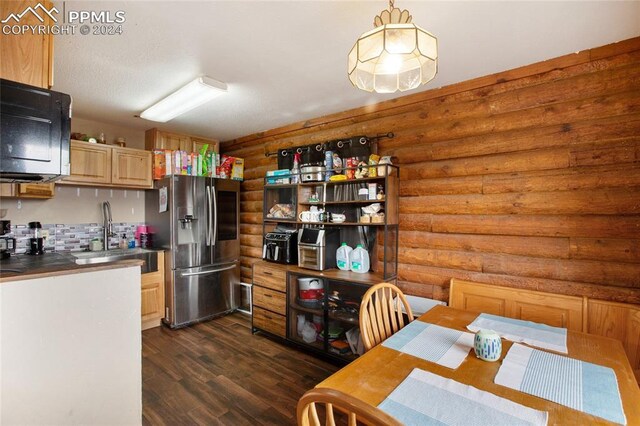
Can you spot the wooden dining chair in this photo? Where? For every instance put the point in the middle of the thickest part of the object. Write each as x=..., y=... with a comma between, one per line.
x=381, y=313
x=339, y=408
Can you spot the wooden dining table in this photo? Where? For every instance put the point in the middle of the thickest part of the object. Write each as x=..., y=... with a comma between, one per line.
x=378, y=372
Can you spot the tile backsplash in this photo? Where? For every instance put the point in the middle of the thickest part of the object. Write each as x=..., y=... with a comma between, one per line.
x=71, y=237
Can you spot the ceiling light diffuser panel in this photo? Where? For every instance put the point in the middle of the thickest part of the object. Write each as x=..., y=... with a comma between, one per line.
x=196, y=93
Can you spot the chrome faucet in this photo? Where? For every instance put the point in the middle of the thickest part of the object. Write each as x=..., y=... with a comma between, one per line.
x=107, y=230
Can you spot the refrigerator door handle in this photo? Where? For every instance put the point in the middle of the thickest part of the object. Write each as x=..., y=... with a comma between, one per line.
x=215, y=218
x=208, y=214
x=210, y=271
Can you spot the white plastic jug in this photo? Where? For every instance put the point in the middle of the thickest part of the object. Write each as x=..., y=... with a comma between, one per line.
x=359, y=260
x=342, y=257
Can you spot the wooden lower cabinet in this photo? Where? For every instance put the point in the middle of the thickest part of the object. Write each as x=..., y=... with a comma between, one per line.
x=152, y=296
x=269, y=298
x=269, y=321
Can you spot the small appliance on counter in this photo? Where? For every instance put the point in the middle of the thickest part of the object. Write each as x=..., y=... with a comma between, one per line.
x=317, y=248
x=7, y=244
x=281, y=246
x=312, y=172
x=310, y=292
x=36, y=242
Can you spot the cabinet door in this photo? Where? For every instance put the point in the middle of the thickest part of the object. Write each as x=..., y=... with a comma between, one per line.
x=131, y=167
x=173, y=141
x=36, y=190
x=90, y=163
x=199, y=143
x=152, y=295
x=26, y=58
x=7, y=190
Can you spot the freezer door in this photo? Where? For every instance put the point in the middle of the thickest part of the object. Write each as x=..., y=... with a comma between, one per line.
x=198, y=294
x=189, y=228
x=226, y=221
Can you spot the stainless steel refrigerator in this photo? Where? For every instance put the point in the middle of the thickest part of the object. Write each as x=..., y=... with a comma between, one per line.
x=196, y=220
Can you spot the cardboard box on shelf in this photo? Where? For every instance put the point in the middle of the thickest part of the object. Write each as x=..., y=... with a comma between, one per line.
x=237, y=170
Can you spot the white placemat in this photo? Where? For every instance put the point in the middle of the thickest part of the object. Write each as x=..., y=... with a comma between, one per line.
x=580, y=385
x=431, y=342
x=532, y=333
x=425, y=398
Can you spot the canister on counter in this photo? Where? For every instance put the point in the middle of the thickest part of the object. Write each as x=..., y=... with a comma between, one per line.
x=328, y=163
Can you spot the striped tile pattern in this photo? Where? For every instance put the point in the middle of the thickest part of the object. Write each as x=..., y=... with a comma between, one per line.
x=70, y=237
x=433, y=343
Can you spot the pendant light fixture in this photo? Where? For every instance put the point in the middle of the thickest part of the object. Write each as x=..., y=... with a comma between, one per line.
x=395, y=55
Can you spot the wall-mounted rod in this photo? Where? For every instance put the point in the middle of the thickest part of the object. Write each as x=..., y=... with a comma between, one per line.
x=319, y=147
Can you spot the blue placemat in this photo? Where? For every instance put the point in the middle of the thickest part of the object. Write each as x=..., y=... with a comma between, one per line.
x=424, y=398
x=580, y=385
x=531, y=333
x=431, y=342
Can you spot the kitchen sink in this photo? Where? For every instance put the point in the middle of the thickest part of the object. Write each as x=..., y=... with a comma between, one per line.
x=150, y=257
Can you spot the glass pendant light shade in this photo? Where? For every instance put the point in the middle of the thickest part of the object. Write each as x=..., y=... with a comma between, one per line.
x=393, y=56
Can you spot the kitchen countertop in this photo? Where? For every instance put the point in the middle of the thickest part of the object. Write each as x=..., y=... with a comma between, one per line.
x=23, y=267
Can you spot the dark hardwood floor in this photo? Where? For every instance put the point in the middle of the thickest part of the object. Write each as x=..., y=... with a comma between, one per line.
x=219, y=373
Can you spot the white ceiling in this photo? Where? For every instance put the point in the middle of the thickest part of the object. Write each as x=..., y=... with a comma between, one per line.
x=285, y=61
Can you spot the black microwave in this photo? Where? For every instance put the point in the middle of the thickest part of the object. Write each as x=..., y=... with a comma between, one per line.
x=35, y=128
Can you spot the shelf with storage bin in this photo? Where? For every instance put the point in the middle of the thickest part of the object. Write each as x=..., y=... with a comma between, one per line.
x=280, y=202
x=337, y=313
x=341, y=197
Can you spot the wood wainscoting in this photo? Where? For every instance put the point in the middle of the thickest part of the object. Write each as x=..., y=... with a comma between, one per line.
x=619, y=321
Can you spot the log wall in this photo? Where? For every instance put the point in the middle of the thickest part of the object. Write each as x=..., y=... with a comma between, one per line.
x=529, y=178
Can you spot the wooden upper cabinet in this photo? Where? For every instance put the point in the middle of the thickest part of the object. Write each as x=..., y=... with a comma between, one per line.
x=131, y=167
x=90, y=163
x=172, y=141
x=158, y=139
x=103, y=165
x=26, y=58
x=199, y=143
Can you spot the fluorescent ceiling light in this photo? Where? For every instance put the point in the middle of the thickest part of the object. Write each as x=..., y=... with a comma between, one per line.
x=194, y=94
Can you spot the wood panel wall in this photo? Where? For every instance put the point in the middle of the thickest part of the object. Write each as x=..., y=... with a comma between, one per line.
x=529, y=178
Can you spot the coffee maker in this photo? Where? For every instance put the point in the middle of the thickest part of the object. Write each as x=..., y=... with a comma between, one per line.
x=36, y=242
x=7, y=244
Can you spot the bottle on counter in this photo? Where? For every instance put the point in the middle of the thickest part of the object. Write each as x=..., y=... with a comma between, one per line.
x=123, y=242
x=342, y=257
x=295, y=171
x=359, y=260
